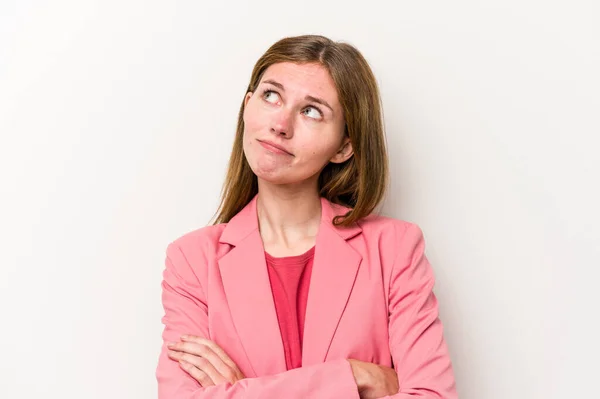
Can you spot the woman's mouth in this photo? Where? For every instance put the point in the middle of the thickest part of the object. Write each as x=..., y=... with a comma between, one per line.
x=273, y=148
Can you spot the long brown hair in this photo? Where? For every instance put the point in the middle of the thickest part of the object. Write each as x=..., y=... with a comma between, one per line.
x=358, y=183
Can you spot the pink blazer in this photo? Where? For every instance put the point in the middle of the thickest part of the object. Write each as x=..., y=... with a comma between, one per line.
x=370, y=299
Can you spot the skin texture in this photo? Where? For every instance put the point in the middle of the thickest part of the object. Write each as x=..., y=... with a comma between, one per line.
x=312, y=132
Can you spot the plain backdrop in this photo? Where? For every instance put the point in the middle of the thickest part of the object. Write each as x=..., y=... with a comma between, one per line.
x=117, y=119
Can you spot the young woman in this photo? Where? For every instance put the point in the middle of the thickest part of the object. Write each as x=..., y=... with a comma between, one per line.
x=299, y=289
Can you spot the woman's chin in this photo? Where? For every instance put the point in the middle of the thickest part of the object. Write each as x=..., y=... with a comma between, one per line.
x=281, y=179
x=275, y=179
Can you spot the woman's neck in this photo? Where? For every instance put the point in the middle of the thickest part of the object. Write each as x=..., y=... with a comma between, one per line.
x=288, y=220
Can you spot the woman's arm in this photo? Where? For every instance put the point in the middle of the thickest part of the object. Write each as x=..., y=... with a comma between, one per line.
x=417, y=344
x=186, y=312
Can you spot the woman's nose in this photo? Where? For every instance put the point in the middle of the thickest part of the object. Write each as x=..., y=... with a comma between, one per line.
x=282, y=122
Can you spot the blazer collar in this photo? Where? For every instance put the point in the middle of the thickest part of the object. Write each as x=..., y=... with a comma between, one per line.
x=246, y=221
x=247, y=288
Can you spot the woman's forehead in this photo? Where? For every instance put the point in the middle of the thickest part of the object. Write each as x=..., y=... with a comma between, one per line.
x=311, y=77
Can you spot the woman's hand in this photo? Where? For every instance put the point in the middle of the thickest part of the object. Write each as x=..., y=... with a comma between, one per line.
x=374, y=381
x=204, y=360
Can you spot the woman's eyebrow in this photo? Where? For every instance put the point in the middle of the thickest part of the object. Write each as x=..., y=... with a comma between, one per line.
x=274, y=83
x=308, y=97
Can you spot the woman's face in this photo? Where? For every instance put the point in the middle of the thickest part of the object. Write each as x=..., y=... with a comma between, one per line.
x=295, y=107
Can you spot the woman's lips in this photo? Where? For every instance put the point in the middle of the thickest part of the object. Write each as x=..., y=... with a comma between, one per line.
x=273, y=148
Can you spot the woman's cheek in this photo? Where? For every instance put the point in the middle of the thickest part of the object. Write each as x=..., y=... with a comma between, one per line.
x=253, y=114
x=248, y=122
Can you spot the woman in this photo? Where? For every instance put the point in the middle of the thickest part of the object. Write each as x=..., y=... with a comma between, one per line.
x=299, y=290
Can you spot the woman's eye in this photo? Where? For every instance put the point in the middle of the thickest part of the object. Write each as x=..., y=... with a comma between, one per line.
x=312, y=112
x=271, y=96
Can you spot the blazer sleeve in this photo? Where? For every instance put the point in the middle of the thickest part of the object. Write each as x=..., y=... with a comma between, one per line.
x=419, y=351
x=186, y=312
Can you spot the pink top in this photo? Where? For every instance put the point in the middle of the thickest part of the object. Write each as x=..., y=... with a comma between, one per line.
x=290, y=278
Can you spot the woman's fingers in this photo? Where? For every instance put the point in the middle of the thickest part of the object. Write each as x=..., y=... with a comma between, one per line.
x=206, y=366
x=196, y=373
x=204, y=358
x=218, y=351
x=198, y=367
x=192, y=348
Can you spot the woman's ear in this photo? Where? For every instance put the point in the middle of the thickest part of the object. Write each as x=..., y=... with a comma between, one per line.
x=345, y=151
x=248, y=95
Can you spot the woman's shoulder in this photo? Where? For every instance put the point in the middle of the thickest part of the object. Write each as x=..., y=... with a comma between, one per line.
x=201, y=234
x=392, y=238
x=199, y=240
x=377, y=225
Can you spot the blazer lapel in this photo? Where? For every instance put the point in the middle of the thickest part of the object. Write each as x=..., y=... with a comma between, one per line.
x=334, y=271
x=248, y=289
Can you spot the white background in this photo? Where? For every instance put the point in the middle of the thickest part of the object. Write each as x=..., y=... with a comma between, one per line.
x=117, y=119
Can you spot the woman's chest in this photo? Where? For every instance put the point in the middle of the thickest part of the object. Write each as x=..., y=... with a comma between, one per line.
x=344, y=319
